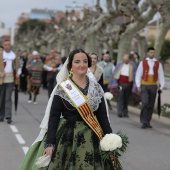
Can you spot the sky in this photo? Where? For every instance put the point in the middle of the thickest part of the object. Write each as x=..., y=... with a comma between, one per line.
x=11, y=9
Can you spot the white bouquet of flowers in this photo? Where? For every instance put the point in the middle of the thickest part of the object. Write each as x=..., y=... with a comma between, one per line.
x=111, y=142
x=108, y=96
x=112, y=145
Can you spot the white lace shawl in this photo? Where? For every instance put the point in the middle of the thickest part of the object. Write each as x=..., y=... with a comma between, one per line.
x=95, y=93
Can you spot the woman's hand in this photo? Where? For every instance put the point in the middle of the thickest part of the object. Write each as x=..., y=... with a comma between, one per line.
x=49, y=151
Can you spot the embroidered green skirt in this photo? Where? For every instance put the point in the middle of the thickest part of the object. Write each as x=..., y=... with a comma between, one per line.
x=77, y=148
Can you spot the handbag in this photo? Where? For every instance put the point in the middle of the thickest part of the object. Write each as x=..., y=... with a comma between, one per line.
x=43, y=161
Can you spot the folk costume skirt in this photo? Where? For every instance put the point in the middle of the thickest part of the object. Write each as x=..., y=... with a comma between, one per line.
x=77, y=148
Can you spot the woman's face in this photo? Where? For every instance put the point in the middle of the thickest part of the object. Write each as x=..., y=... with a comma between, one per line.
x=80, y=64
x=94, y=59
x=30, y=57
x=135, y=56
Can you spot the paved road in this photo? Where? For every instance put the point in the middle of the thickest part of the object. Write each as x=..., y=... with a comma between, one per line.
x=148, y=149
x=166, y=92
x=167, y=83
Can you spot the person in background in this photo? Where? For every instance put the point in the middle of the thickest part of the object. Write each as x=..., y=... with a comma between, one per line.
x=135, y=58
x=63, y=59
x=2, y=74
x=23, y=76
x=12, y=72
x=29, y=75
x=149, y=74
x=50, y=66
x=36, y=76
x=59, y=61
x=124, y=75
x=44, y=73
x=96, y=70
x=59, y=66
x=108, y=69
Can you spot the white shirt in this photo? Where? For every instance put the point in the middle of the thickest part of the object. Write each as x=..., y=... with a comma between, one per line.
x=8, y=58
x=125, y=70
x=151, y=62
x=48, y=68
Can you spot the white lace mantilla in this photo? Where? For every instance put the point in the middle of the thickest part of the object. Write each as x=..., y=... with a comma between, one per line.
x=95, y=93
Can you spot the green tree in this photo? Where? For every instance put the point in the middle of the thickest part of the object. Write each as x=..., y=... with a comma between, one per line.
x=31, y=24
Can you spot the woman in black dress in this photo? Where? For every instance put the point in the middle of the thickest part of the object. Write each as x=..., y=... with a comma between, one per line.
x=71, y=142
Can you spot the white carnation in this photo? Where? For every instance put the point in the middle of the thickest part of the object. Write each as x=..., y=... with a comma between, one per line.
x=108, y=96
x=111, y=142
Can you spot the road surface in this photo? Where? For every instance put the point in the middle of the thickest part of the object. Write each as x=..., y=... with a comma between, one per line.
x=148, y=149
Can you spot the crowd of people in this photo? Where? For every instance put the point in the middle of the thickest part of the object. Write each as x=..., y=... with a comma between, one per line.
x=130, y=77
x=75, y=86
x=25, y=73
x=39, y=69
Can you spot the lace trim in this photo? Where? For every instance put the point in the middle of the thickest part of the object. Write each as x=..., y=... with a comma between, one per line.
x=95, y=92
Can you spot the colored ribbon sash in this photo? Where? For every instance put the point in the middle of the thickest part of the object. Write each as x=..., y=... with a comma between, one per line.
x=81, y=104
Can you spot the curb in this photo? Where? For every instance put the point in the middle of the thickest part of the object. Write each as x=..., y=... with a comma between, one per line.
x=155, y=117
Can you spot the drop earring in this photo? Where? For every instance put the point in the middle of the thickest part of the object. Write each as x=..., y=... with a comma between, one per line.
x=71, y=72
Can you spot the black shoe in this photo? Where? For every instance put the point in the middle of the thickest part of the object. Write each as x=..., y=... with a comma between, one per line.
x=149, y=126
x=119, y=115
x=144, y=126
x=1, y=120
x=9, y=121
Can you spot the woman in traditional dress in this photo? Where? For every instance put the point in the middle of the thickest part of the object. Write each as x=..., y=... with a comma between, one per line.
x=36, y=66
x=73, y=141
x=96, y=70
